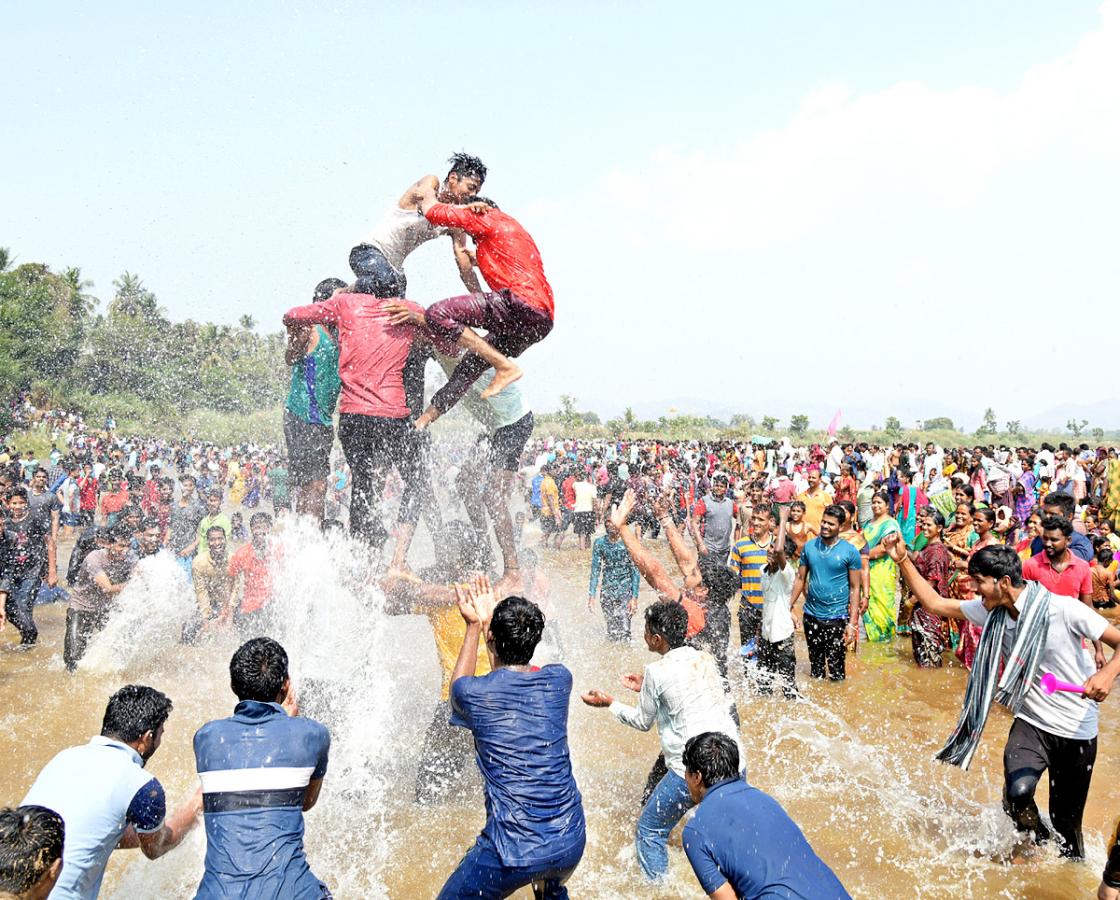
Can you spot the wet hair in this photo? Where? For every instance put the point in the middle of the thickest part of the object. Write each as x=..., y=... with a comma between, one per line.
x=936, y=517
x=721, y=582
x=187, y=477
x=997, y=562
x=479, y=199
x=1058, y=523
x=260, y=517
x=214, y=492
x=1064, y=502
x=258, y=670
x=133, y=711
x=120, y=532
x=17, y=492
x=668, y=620
x=985, y=512
x=711, y=755
x=31, y=839
x=516, y=627
x=466, y=166
x=149, y=522
x=834, y=512
x=325, y=288
x=212, y=529
x=167, y=481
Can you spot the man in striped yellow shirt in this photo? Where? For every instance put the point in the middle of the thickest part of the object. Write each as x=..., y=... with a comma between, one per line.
x=748, y=557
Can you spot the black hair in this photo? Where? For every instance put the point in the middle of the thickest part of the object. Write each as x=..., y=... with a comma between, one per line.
x=1058, y=523
x=325, y=288
x=721, y=582
x=668, y=620
x=214, y=492
x=516, y=626
x=260, y=517
x=1064, y=502
x=133, y=711
x=187, y=476
x=31, y=839
x=798, y=503
x=711, y=755
x=17, y=492
x=969, y=491
x=120, y=532
x=212, y=529
x=884, y=496
x=479, y=199
x=1104, y=556
x=935, y=515
x=849, y=508
x=466, y=166
x=834, y=512
x=986, y=512
x=996, y=562
x=149, y=522
x=258, y=670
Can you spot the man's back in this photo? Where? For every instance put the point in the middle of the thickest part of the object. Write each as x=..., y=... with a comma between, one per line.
x=743, y=837
x=99, y=789
x=255, y=768
x=534, y=811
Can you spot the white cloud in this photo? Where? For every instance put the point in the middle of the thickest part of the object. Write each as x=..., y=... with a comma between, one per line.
x=873, y=156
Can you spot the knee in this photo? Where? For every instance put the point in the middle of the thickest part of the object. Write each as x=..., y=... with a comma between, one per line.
x=1018, y=792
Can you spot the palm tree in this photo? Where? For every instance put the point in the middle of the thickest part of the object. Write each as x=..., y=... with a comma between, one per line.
x=247, y=322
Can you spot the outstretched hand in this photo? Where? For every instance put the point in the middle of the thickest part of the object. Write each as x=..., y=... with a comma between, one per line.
x=476, y=601
x=621, y=513
x=633, y=681
x=597, y=698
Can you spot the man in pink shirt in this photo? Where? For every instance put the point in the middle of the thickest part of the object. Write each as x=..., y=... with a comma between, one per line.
x=374, y=427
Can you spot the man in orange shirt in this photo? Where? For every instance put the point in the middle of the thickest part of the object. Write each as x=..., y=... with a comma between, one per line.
x=253, y=561
x=815, y=498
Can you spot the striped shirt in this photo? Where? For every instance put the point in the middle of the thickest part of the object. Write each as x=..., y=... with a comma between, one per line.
x=749, y=559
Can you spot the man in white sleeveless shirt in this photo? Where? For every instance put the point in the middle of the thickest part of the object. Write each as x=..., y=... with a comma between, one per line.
x=404, y=228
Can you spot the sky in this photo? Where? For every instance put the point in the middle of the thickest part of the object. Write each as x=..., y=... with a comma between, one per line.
x=886, y=208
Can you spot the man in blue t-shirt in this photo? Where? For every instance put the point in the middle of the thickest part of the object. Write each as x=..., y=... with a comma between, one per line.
x=741, y=843
x=106, y=798
x=261, y=769
x=829, y=575
x=518, y=715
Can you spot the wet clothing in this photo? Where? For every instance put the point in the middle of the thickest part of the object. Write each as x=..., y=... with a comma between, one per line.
x=99, y=789
x=482, y=874
x=824, y=639
x=372, y=353
x=374, y=270
x=183, y=524
x=255, y=767
x=717, y=518
x=512, y=327
x=314, y=385
x=86, y=594
x=742, y=837
x=534, y=811
x=507, y=256
x=398, y=232
x=827, y=591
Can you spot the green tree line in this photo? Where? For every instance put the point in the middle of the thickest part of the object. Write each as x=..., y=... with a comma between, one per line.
x=129, y=358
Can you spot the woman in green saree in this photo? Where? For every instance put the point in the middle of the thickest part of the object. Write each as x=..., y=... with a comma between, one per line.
x=880, y=618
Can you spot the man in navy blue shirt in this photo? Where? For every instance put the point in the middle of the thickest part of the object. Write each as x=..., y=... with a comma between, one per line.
x=829, y=575
x=741, y=843
x=518, y=715
x=261, y=769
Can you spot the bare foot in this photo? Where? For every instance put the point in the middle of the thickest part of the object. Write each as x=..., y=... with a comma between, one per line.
x=502, y=378
x=401, y=573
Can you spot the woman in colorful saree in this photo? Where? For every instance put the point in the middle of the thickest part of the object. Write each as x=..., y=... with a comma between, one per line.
x=910, y=500
x=879, y=620
x=982, y=522
x=929, y=632
x=1033, y=530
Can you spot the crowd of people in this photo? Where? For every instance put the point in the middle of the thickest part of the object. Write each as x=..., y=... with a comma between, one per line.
x=1001, y=556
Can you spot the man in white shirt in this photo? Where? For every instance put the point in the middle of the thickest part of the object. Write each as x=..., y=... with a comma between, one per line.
x=1055, y=731
x=684, y=694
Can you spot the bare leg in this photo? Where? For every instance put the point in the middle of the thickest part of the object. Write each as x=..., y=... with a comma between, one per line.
x=497, y=504
x=405, y=532
x=505, y=372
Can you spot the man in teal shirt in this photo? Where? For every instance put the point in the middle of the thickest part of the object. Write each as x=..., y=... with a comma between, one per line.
x=309, y=413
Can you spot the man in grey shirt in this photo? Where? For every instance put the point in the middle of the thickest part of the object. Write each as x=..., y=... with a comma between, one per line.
x=182, y=528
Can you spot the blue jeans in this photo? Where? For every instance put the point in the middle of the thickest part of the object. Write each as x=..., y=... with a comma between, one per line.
x=666, y=806
x=20, y=603
x=481, y=874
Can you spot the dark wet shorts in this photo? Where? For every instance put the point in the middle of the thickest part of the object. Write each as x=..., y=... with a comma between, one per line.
x=309, y=449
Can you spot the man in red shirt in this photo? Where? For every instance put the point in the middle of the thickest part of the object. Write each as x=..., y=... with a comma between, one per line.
x=252, y=561
x=516, y=315
x=1059, y=571
x=374, y=425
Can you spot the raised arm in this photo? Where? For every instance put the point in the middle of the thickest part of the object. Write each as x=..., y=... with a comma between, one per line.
x=325, y=313
x=652, y=570
x=465, y=260
x=929, y=598
x=685, y=556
